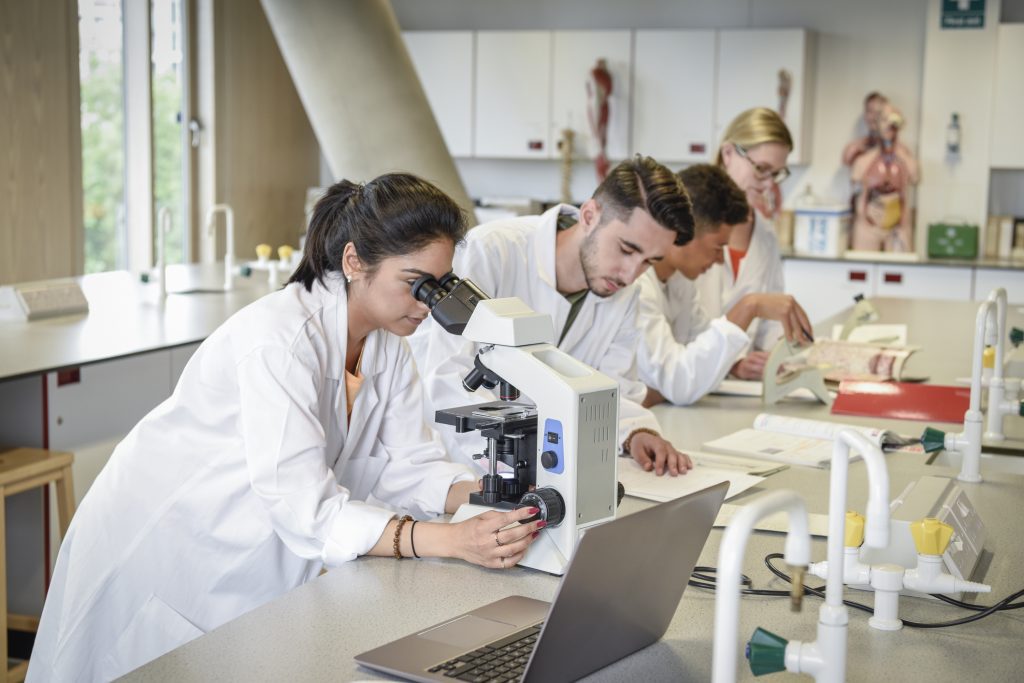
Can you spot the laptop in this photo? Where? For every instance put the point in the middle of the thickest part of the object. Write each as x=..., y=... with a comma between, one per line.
x=600, y=613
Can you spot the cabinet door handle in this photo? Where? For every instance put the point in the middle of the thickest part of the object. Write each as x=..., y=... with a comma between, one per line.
x=894, y=278
x=69, y=376
x=858, y=275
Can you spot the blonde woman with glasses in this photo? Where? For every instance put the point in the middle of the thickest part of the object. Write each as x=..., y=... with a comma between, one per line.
x=753, y=152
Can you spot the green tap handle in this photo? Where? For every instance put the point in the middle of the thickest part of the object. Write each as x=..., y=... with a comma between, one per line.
x=766, y=652
x=933, y=440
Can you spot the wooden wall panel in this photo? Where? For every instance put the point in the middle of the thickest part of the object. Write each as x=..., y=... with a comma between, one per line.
x=40, y=141
x=265, y=152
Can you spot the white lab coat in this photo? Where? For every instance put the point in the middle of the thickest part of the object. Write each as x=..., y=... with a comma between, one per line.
x=760, y=271
x=241, y=486
x=682, y=354
x=516, y=257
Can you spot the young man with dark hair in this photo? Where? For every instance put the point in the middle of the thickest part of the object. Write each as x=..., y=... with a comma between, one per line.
x=577, y=265
x=683, y=355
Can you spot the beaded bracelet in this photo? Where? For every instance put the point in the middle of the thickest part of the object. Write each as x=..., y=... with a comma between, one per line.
x=398, y=535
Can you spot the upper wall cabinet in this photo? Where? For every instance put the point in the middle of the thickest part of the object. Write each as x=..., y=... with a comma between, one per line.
x=513, y=94
x=444, y=63
x=767, y=68
x=674, y=95
x=574, y=56
x=1007, y=149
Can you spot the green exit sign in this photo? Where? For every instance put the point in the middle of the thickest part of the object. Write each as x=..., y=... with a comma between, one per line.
x=963, y=14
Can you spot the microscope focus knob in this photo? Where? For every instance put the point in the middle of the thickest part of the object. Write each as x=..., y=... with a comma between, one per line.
x=550, y=502
x=549, y=459
x=931, y=536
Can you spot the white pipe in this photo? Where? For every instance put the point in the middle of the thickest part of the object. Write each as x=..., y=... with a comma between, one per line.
x=229, y=239
x=968, y=442
x=163, y=222
x=825, y=658
x=998, y=407
x=730, y=564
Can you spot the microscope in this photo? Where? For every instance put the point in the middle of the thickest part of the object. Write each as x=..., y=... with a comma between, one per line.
x=561, y=449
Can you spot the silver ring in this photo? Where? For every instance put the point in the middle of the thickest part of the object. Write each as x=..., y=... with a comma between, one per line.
x=496, y=541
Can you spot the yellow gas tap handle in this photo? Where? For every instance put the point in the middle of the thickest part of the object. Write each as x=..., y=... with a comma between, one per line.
x=931, y=536
x=854, y=530
x=284, y=253
x=263, y=251
x=988, y=358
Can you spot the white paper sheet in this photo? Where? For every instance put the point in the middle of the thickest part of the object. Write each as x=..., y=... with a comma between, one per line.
x=666, y=487
x=740, y=387
x=817, y=523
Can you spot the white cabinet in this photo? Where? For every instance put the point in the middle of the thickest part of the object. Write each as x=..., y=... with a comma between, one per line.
x=674, y=93
x=444, y=63
x=180, y=356
x=1007, y=150
x=99, y=401
x=751, y=73
x=947, y=283
x=825, y=288
x=574, y=55
x=513, y=94
x=987, y=279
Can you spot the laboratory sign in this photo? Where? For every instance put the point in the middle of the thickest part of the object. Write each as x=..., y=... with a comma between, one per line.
x=963, y=14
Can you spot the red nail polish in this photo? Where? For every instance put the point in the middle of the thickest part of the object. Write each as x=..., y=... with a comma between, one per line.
x=534, y=511
x=536, y=534
x=541, y=524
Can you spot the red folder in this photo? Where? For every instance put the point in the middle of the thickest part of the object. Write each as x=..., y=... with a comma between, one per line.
x=902, y=401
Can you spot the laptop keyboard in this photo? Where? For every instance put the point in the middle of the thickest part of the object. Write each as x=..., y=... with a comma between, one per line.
x=502, y=660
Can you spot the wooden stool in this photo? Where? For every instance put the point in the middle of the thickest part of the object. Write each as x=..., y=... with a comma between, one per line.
x=22, y=469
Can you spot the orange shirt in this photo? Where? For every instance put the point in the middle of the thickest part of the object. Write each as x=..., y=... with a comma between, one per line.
x=735, y=256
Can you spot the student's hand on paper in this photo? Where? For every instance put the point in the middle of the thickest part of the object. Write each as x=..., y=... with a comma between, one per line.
x=655, y=453
x=751, y=366
x=484, y=540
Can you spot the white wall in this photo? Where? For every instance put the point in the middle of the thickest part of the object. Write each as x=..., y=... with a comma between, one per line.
x=860, y=46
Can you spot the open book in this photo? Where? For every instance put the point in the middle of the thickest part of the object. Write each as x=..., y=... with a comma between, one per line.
x=797, y=441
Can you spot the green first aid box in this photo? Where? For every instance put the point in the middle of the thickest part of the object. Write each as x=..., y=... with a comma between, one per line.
x=952, y=241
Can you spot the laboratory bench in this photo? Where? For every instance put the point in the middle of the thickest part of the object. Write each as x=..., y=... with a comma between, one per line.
x=79, y=383
x=314, y=631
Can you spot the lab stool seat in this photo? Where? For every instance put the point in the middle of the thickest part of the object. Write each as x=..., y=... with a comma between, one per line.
x=22, y=469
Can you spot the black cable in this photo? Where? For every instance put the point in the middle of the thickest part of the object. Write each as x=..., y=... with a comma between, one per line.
x=982, y=612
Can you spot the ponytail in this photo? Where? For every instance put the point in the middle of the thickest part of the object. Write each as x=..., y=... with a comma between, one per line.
x=392, y=215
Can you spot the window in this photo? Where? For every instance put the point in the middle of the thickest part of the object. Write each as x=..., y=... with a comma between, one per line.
x=101, y=72
x=133, y=121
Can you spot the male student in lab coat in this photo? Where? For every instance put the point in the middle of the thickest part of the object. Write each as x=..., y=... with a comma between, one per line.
x=578, y=265
x=682, y=354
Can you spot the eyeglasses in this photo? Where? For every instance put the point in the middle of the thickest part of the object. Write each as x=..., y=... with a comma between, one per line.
x=763, y=172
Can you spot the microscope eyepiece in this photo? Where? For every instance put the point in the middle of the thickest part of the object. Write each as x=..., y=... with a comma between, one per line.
x=428, y=290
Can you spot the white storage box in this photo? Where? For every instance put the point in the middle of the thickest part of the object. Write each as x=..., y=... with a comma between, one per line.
x=821, y=230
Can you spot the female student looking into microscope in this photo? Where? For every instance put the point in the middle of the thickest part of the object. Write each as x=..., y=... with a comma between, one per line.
x=753, y=152
x=290, y=426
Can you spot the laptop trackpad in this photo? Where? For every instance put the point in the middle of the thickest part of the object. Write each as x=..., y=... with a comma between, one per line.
x=467, y=630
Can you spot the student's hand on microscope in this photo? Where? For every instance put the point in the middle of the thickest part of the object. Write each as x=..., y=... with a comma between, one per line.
x=485, y=540
x=655, y=453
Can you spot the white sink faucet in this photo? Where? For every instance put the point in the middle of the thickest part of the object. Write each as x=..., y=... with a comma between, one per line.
x=163, y=222
x=998, y=405
x=229, y=238
x=730, y=562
